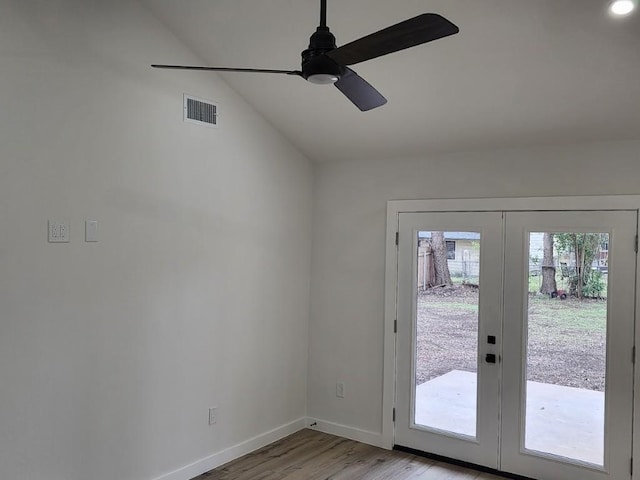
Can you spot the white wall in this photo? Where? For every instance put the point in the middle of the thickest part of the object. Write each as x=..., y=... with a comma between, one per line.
x=346, y=326
x=197, y=292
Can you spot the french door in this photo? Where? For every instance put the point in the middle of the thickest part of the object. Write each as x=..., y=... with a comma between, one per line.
x=493, y=371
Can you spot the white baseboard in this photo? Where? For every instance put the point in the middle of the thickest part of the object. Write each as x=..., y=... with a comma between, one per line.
x=217, y=459
x=345, y=431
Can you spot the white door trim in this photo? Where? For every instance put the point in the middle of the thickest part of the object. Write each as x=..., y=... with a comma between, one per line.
x=395, y=207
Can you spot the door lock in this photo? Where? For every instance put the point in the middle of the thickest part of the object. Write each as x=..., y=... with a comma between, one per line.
x=490, y=358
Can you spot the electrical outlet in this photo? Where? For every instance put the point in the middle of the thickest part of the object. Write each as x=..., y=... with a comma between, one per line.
x=340, y=389
x=213, y=415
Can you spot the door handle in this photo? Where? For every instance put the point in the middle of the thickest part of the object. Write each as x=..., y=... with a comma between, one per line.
x=490, y=358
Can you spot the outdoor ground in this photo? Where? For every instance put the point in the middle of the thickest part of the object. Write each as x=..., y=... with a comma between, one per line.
x=566, y=337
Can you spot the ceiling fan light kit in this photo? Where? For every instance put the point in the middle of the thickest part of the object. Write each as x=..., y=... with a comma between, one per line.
x=621, y=8
x=323, y=78
x=325, y=63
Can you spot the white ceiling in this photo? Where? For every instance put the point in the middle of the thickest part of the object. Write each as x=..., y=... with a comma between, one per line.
x=520, y=73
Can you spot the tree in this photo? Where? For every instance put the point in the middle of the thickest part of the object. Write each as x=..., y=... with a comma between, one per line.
x=584, y=248
x=548, y=267
x=439, y=248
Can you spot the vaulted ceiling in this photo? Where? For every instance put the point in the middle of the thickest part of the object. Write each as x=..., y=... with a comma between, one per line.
x=520, y=73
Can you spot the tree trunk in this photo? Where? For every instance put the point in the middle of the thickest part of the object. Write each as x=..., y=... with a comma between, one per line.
x=443, y=277
x=579, y=260
x=548, y=268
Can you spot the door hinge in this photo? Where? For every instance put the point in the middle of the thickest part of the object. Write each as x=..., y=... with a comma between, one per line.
x=394, y=415
x=631, y=466
x=398, y=238
x=636, y=244
x=633, y=355
x=395, y=326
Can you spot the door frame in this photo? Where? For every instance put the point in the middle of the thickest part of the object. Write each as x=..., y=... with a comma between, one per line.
x=395, y=207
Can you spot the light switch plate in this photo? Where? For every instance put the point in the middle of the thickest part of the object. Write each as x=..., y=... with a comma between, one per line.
x=213, y=415
x=58, y=232
x=91, y=231
x=340, y=389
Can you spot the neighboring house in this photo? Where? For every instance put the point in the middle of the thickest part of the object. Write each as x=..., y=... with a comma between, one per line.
x=463, y=255
x=536, y=254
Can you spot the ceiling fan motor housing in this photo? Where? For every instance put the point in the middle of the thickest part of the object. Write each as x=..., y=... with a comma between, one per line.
x=314, y=61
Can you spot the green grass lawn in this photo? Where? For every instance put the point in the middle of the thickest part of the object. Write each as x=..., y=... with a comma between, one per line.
x=457, y=280
x=586, y=316
x=567, y=341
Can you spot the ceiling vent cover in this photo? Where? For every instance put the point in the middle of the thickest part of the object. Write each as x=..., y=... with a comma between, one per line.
x=200, y=111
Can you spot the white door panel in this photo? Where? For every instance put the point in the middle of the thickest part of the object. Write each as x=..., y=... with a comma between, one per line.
x=424, y=417
x=601, y=415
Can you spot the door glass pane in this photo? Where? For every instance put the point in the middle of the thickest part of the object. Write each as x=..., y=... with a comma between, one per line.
x=566, y=345
x=446, y=348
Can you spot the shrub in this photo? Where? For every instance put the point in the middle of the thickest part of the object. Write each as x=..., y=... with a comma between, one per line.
x=594, y=285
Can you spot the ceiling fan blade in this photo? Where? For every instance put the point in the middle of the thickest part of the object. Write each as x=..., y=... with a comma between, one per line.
x=226, y=69
x=356, y=89
x=415, y=31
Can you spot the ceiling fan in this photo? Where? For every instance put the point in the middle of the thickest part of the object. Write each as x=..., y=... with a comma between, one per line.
x=325, y=63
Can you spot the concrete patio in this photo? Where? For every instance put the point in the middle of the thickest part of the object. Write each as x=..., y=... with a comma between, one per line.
x=561, y=420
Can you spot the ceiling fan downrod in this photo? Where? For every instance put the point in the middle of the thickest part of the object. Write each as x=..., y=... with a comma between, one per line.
x=323, y=13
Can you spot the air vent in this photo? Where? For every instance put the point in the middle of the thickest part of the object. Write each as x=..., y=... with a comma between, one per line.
x=200, y=111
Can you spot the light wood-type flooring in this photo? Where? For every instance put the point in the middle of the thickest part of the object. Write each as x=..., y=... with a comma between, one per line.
x=311, y=455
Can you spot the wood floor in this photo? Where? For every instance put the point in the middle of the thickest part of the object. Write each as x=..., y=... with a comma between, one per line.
x=311, y=455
